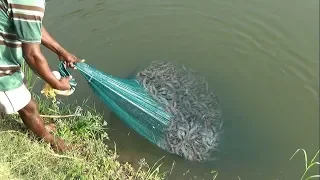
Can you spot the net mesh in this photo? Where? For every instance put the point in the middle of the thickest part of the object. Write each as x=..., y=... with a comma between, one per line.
x=173, y=107
x=127, y=99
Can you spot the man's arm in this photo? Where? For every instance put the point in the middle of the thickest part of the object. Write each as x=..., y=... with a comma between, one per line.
x=49, y=42
x=37, y=62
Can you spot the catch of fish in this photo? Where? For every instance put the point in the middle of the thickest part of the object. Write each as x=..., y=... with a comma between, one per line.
x=195, y=130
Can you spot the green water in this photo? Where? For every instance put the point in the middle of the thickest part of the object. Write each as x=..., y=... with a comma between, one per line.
x=262, y=57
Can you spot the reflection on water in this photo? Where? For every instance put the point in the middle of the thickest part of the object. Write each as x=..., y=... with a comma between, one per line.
x=260, y=56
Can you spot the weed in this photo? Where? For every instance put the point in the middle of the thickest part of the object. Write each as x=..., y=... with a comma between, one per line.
x=308, y=165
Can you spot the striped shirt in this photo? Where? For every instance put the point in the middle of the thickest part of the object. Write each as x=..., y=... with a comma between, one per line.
x=20, y=22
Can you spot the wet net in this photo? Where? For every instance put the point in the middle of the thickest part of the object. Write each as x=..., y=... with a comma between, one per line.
x=171, y=106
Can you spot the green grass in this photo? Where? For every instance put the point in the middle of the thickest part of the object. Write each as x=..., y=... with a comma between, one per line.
x=29, y=76
x=23, y=156
x=308, y=165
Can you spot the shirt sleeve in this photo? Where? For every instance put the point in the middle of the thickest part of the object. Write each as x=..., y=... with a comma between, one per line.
x=27, y=16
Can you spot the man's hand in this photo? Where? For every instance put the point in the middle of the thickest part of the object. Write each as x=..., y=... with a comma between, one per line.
x=69, y=59
x=64, y=84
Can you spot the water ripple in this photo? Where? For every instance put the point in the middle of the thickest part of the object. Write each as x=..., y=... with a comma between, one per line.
x=251, y=47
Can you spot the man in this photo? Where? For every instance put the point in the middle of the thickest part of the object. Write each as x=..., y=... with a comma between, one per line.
x=21, y=34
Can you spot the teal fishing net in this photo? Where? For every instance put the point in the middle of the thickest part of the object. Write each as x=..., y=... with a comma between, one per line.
x=171, y=106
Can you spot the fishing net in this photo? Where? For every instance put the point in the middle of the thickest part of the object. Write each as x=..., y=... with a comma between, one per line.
x=171, y=106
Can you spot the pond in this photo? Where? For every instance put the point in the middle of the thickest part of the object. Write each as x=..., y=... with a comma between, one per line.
x=261, y=57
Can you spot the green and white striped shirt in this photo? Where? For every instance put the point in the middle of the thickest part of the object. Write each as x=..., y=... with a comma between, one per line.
x=20, y=22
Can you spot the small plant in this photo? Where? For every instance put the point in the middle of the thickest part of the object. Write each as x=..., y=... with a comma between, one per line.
x=28, y=74
x=215, y=174
x=308, y=165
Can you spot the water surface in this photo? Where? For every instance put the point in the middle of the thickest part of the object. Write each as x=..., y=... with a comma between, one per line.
x=262, y=58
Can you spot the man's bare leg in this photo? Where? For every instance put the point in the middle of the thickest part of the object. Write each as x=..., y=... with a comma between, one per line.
x=31, y=118
x=49, y=127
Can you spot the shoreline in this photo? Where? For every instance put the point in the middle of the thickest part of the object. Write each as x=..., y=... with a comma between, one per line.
x=23, y=156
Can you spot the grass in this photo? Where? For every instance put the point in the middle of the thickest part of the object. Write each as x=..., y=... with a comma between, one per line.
x=23, y=156
x=215, y=174
x=308, y=165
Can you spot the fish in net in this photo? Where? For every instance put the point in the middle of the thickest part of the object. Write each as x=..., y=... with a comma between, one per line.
x=170, y=105
x=195, y=128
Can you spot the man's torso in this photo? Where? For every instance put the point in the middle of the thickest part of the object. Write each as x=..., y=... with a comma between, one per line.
x=20, y=21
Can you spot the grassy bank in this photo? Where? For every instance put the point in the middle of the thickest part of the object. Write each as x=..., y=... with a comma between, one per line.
x=22, y=156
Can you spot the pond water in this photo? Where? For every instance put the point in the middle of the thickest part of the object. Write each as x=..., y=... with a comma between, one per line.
x=262, y=58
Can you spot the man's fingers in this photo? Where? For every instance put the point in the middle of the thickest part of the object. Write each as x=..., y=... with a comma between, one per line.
x=66, y=78
x=70, y=61
x=70, y=64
